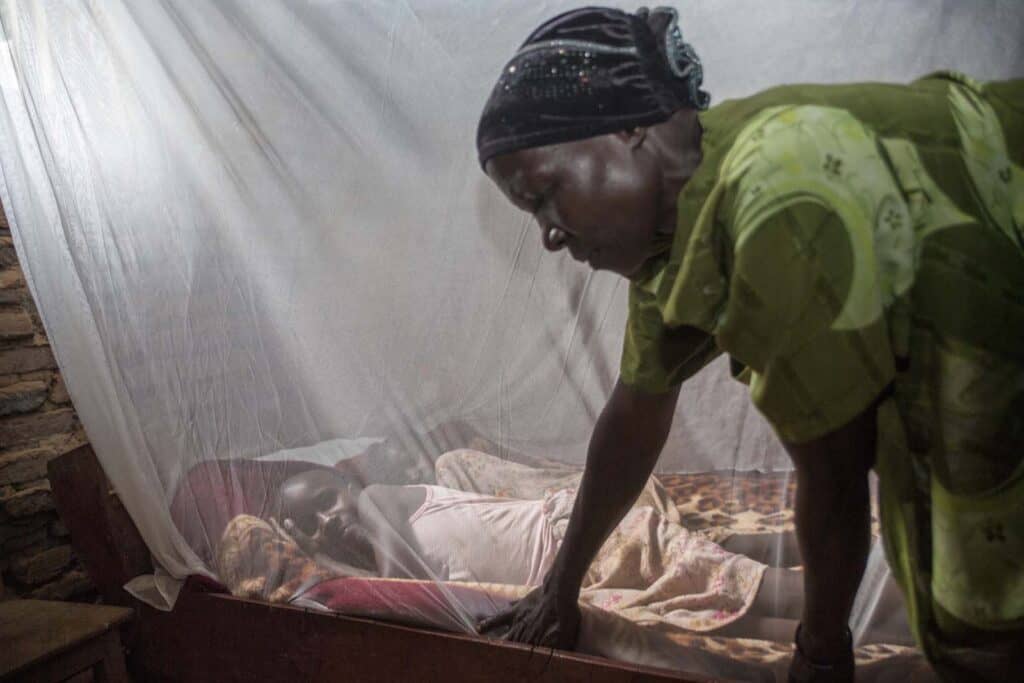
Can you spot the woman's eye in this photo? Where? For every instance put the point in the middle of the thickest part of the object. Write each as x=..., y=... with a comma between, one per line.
x=542, y=200
x=532, y=201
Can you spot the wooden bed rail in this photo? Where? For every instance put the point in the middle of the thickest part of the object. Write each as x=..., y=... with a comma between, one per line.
x=213, y=637
x=102, y=534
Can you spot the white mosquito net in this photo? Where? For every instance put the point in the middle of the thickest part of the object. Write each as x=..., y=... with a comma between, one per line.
x=262, y=247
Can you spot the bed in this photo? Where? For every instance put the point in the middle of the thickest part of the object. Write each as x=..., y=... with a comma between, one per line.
x=211, y=631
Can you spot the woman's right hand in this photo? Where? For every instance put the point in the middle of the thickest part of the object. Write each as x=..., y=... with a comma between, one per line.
x=543, y=617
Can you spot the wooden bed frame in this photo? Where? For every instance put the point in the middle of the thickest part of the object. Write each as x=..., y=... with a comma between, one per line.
x=210, y=636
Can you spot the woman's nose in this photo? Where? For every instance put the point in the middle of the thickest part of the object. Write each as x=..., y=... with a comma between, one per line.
x=554, y=238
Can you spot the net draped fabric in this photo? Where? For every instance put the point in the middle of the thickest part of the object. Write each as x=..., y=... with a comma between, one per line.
x=258, y=232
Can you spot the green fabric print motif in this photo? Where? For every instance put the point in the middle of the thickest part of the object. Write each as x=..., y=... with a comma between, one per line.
x=824, y=155
x=986, y=157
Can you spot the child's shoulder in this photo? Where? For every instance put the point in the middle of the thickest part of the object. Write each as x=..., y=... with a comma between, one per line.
x=392, y=502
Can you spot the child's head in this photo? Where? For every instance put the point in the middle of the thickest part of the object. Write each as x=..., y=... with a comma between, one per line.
x=319, y=498
x=320, y=509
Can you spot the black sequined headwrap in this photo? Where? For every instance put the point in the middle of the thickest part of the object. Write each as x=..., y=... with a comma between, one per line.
x=590, y=72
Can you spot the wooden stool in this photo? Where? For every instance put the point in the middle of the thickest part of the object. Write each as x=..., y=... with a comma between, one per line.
x=52, y=641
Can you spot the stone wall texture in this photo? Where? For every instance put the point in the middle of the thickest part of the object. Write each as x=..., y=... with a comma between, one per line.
x=37, y=423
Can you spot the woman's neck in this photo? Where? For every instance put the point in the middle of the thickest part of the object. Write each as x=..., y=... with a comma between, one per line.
x=678, y=142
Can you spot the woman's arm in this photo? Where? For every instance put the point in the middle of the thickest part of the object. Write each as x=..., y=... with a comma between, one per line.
x=624, y=447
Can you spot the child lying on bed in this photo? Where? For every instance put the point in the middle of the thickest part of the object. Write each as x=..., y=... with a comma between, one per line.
x=650, y=565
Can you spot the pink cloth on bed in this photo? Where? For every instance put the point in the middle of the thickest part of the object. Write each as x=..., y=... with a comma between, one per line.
x=449, y=606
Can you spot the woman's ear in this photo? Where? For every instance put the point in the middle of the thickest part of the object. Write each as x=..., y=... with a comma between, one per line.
x=639, y=135
x=634, y=137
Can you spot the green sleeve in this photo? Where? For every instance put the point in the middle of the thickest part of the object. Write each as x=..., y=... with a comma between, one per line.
x=822, y=245
x=657, y=358
x=794, y=273
x=1007, y=99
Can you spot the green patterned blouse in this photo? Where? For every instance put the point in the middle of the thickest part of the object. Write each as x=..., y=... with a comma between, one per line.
x=841, y=242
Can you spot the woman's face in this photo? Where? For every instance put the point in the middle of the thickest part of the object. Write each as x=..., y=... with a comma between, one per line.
x=599, y=198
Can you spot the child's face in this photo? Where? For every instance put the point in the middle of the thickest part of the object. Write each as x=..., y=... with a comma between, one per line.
x=323, y=505
x=319, y=498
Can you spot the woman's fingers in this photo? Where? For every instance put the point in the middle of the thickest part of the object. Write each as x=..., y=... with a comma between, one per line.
x=500, y=632
x=532, y=620
x=527, y=628
x=501, y=619
x=515, y=632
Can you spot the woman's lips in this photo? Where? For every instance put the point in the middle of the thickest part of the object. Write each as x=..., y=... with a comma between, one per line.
x=583, y=256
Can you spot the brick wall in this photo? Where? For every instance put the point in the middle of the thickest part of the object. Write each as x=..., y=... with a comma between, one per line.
x=37, y=423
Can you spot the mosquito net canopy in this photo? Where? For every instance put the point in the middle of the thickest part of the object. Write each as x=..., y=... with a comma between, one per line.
x=269, y=263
